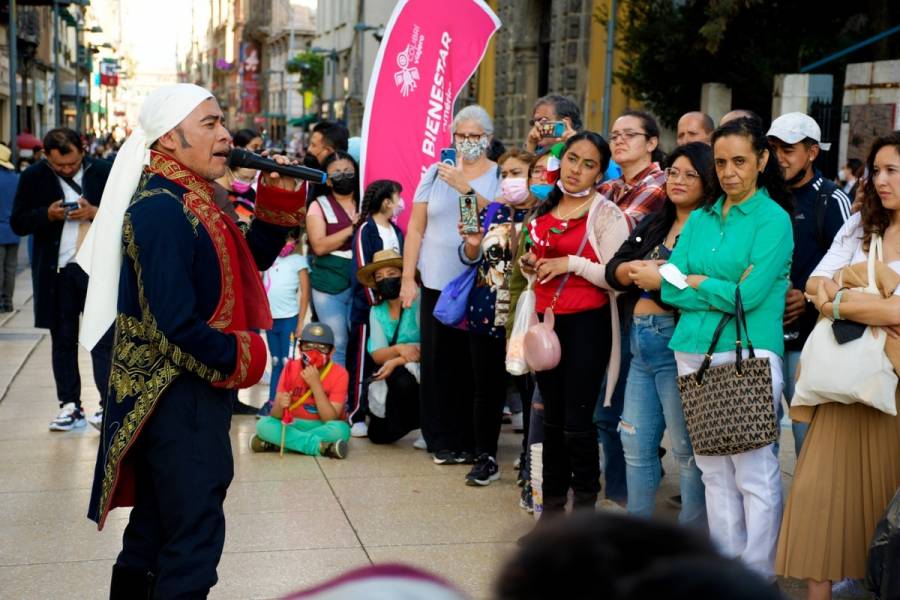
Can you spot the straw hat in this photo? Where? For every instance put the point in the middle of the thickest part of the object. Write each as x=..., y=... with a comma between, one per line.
x=382, y=259
x=5, y=154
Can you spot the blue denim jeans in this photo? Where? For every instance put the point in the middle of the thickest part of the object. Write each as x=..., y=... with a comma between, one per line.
x=279, y=340
x=607, y=421
x=791, y=361
x=652, y=405
x=334, y=311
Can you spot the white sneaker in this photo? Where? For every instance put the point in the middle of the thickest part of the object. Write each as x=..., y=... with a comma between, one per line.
x=420, y=444
x=68, y=418
x=96, y=419
x=849, y=588
x=359, y=430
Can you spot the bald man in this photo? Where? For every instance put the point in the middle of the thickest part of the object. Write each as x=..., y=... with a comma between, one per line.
x=737, y=114
x=695, y=126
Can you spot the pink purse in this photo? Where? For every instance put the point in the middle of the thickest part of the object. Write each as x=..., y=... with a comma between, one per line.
x=542, y=350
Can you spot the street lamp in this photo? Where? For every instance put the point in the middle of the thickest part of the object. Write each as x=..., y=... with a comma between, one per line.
x=362, y=28
x=333, y=55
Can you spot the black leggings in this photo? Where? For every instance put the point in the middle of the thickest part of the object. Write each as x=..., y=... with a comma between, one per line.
x=571, y=456
x=446, y=383
x=489, y=367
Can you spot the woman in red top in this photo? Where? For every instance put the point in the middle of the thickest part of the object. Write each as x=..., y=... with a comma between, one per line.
x=583, y=317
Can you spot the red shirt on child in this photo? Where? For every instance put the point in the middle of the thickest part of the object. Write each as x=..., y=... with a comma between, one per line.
x=334, y=383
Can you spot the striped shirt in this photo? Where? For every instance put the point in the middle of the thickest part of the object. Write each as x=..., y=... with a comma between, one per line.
x=642, y=196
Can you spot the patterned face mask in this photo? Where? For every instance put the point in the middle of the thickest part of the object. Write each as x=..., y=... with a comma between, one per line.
x=472, y=150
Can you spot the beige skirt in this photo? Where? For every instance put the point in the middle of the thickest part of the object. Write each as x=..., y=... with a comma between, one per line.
x=848, y=471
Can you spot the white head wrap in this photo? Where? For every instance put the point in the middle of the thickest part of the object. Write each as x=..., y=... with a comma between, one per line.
x=101, y=253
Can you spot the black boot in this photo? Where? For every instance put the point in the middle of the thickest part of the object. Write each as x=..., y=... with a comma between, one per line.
x=130, y=584
x=584, y=456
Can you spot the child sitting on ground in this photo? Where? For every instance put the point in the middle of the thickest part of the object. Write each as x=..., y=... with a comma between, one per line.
x=313, y=390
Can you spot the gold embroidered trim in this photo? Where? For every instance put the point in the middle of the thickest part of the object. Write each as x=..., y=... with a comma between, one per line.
x=277, y=217
x=199, y=200
x=144, y=364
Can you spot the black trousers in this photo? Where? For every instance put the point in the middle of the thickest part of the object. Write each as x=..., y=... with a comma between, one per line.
x=525, y=386
x=359, y=366
x=489, y=366
x=401, y=413
x=182, y=466
x=71, y=289
x=571, y=455
x=446, y=386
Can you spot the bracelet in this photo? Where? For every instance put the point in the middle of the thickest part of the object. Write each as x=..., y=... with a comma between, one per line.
x=836, y=304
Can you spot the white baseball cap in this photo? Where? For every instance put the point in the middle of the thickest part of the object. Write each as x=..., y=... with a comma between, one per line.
x=794, y=127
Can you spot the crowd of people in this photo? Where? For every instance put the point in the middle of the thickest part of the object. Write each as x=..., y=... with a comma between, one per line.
x=631, y=256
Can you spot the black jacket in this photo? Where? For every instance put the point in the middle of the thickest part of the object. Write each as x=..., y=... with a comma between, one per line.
x=637, y=247
x=39, y=187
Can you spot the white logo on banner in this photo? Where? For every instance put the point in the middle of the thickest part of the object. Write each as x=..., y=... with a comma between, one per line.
x=407, y=77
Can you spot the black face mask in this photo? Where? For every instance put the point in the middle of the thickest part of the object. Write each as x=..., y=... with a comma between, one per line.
x=310, y=161
x=388, y=288
x=343, y=186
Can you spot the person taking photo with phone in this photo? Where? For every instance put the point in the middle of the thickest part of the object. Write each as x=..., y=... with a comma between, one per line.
x=55, y=202
x=432, y=241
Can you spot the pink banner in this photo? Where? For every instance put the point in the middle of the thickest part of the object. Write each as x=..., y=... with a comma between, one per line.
x=429, y=51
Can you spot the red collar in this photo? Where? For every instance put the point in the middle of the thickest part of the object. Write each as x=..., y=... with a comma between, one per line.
x=164, y=165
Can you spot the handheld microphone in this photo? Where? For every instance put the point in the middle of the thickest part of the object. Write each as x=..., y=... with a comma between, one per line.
x=240, y=158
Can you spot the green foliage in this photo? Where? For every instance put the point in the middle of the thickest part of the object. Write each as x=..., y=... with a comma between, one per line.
x=671, y=47
x=311, y=67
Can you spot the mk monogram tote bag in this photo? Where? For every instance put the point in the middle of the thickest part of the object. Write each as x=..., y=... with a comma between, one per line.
x=728, y=409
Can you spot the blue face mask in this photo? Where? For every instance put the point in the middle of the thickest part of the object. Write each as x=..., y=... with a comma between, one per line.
x=541, y=190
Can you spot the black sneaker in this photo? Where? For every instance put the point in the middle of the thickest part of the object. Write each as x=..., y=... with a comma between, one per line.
x=239, y=408
x=523, y=476
x=445, y=457
x=464, y=458
x=484, y=472
x=257, y=444
x=526, y=500
x=69, y=418
x=336, y=449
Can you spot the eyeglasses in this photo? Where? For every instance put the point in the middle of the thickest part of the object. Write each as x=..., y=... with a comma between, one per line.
x=342, y=175
x=533, y=122
x=471, y=137
x=626, y=135
x=686, y=176
x=324, y=348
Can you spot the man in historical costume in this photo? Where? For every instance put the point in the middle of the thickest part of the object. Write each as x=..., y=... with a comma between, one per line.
x=181, y=282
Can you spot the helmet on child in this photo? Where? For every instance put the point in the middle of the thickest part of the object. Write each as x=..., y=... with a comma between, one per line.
x=317, y=333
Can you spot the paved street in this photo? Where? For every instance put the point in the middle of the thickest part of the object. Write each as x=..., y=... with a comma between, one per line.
x=292, y=521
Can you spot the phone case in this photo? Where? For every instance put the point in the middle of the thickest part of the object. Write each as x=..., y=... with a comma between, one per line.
x=468, y=213
x=448, y=156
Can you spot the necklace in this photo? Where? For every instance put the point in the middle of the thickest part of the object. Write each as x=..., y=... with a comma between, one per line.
x=572, y=212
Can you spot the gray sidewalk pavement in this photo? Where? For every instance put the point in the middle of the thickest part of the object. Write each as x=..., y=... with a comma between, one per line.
x=291, y=522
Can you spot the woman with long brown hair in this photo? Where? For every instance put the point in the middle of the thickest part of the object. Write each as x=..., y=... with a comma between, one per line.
x=849, y=467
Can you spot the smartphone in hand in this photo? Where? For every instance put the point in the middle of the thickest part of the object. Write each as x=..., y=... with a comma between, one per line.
x=448, y=156
x=70, y=206
x=552, y=129
x=468, y=213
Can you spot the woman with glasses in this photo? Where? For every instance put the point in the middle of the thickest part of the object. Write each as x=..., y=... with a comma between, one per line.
x=432, y=241
x=742, y=241
x=652, y=401
x=639, y=192
x=329, y=225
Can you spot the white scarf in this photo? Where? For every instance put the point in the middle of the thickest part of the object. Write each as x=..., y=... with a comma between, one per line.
x=101, y=253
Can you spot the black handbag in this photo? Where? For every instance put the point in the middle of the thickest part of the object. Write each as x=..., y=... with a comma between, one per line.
x=729, y=409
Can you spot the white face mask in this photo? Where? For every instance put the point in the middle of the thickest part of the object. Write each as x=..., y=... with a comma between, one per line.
x=398, y=209
x=472, y=150
x=582, y=194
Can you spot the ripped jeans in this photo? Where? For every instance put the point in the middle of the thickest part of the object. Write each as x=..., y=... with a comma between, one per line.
x=652, y=405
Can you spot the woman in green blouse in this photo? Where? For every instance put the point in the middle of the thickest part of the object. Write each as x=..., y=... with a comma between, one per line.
x=744, y=239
